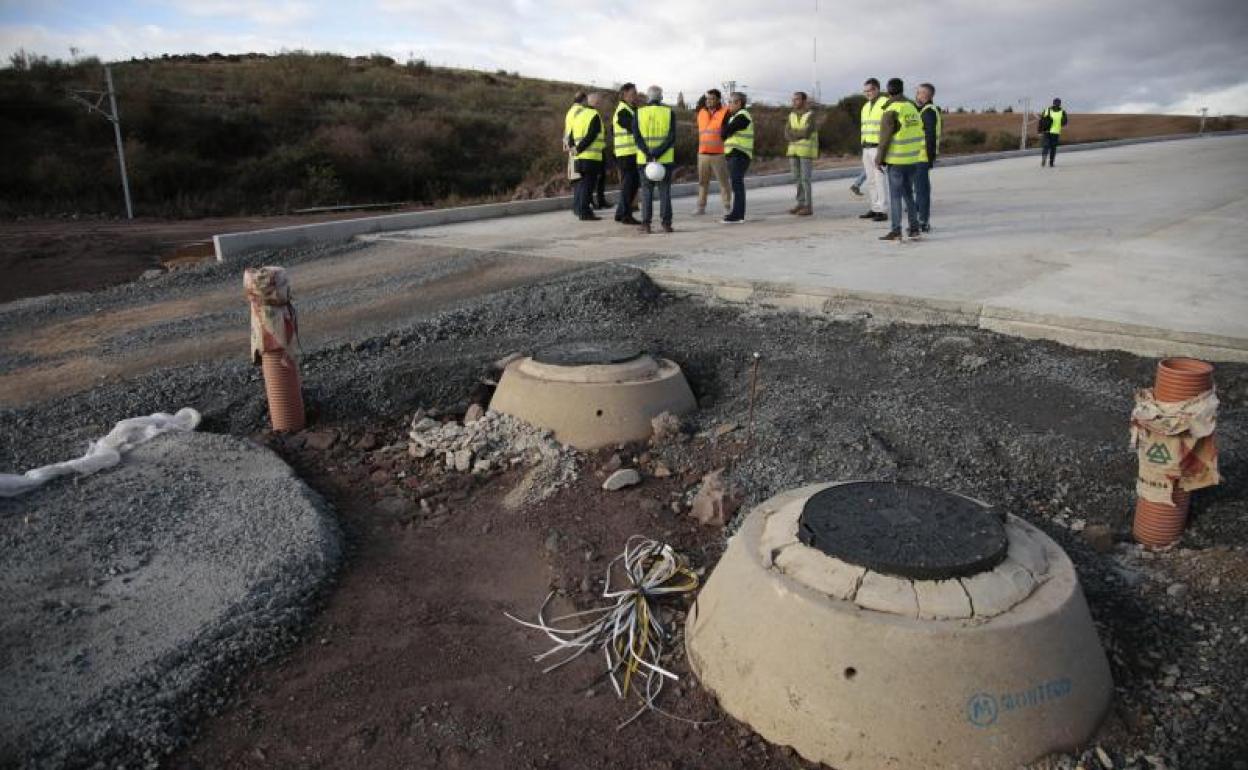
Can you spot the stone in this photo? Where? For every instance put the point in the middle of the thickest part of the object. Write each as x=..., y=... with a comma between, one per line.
x=613, y=464
x=885, y=593
x=463, y=460
x=716, y=500
x=954, y=342
x=1104, y=759
x=321, y=440
x=379, y=477
x=625, y=477
x=1177, y=590
x=425, y=424
x=366, y=443
x=661, y=471
x=970, y=363
x=665, y=427
x=723, y=429
x=419, y=451
x=150, y=275
x=1100, y=537
x=475, y=412
x=481, y=466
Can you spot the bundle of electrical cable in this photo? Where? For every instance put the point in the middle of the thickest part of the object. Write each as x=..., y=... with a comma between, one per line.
x=630, y=630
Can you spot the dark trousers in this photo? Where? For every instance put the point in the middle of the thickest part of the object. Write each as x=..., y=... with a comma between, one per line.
x=665, y=198
x=901, y=189
x=1049, y=149
x=601, y=187
x=923, y=191
x=582, y=195
x=738, y=162
x=629, y=182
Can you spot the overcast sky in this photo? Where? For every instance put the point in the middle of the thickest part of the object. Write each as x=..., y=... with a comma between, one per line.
x=1111, y=55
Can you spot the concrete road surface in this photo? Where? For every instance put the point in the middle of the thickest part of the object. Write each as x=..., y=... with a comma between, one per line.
x=1136, y=248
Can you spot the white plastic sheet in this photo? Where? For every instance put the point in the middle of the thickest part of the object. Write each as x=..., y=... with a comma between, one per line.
x=104, y=453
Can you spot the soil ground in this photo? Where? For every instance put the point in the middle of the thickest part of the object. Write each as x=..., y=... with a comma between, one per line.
x=415, y=621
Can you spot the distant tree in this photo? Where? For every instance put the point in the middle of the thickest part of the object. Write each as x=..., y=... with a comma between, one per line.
x=960, y=110
x=680, y=101
x=990, y=110
x=1008, y=108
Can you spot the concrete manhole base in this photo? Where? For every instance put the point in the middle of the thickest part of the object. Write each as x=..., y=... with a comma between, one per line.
x=864, y=670
x=592, y=395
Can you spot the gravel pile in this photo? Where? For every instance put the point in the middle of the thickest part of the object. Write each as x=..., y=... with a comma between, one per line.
x=131, y=596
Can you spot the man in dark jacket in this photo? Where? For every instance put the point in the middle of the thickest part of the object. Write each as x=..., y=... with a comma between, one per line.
x=738, y=133
x=930, y=114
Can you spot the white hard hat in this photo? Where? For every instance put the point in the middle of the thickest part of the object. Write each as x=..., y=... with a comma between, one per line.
x=655, y=171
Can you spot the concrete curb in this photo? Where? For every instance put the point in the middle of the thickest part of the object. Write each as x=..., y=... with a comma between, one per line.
x=1086, y=333
x=235, y=245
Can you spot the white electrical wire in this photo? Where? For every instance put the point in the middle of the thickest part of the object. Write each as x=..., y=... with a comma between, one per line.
x=629, y=631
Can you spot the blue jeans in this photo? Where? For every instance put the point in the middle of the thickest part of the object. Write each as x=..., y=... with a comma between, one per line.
x=923, y=192
x=738, y=163
x=860, y=181
x=901, y=186
x=665, y=197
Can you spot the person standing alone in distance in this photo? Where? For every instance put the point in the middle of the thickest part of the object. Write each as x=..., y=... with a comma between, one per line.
x=1052, y=120
x=929, y=113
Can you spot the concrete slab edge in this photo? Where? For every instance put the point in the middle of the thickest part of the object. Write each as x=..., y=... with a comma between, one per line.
x=235, y=245
x=1085, y=333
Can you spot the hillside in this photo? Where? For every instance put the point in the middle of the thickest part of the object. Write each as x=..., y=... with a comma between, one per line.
x=264, y=135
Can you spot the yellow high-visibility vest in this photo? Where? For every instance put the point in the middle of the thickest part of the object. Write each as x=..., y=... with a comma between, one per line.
x=871, y=114
x=654, y=121
x=742, y=140
x=908, y=145
x=803, y=148
x=622, y=139
x=580, y=129
x=571, y=114
x=1055, y=120
x=940, y=122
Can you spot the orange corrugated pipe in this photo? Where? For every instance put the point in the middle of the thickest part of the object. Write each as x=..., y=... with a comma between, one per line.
x=1156, y=524
x=273, y=329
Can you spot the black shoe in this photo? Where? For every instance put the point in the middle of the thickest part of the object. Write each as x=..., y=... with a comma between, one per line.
x=667, y=228
x=893, y=235
x=590, y=218
x=925, y=227
x=868, y=215
x=732, y=220
x=913, y=232
x=880, y=216
x=603, y=204
x=628, y=220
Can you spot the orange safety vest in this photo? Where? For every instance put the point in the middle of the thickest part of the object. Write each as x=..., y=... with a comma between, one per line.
x=710, y=136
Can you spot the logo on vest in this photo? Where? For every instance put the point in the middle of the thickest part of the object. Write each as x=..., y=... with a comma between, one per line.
x=1159, y=454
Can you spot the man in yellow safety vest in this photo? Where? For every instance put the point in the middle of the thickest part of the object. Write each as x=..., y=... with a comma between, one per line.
x=803, y=138
x=738, y=133
x=877, y=182
x=1051, y=123
x=932, y=126
x=588, y=140
x=903, y=147
x=624, y=148
x=655, y=135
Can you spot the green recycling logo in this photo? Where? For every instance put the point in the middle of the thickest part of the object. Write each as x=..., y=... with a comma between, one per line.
x=1159, y=454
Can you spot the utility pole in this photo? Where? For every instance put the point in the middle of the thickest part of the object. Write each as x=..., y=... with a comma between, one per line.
x=1022, y=134
x=1204, y=112
x=814, y=56
x=730, y=86
x=113, y=117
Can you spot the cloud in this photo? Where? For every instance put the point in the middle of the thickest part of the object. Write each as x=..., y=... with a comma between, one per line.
x=1108, y=55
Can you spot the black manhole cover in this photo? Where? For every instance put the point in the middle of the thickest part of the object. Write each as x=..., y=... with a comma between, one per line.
x=587, y=353
x=904, y=530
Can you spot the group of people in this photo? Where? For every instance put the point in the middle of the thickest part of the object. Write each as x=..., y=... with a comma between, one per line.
x=900, y=143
